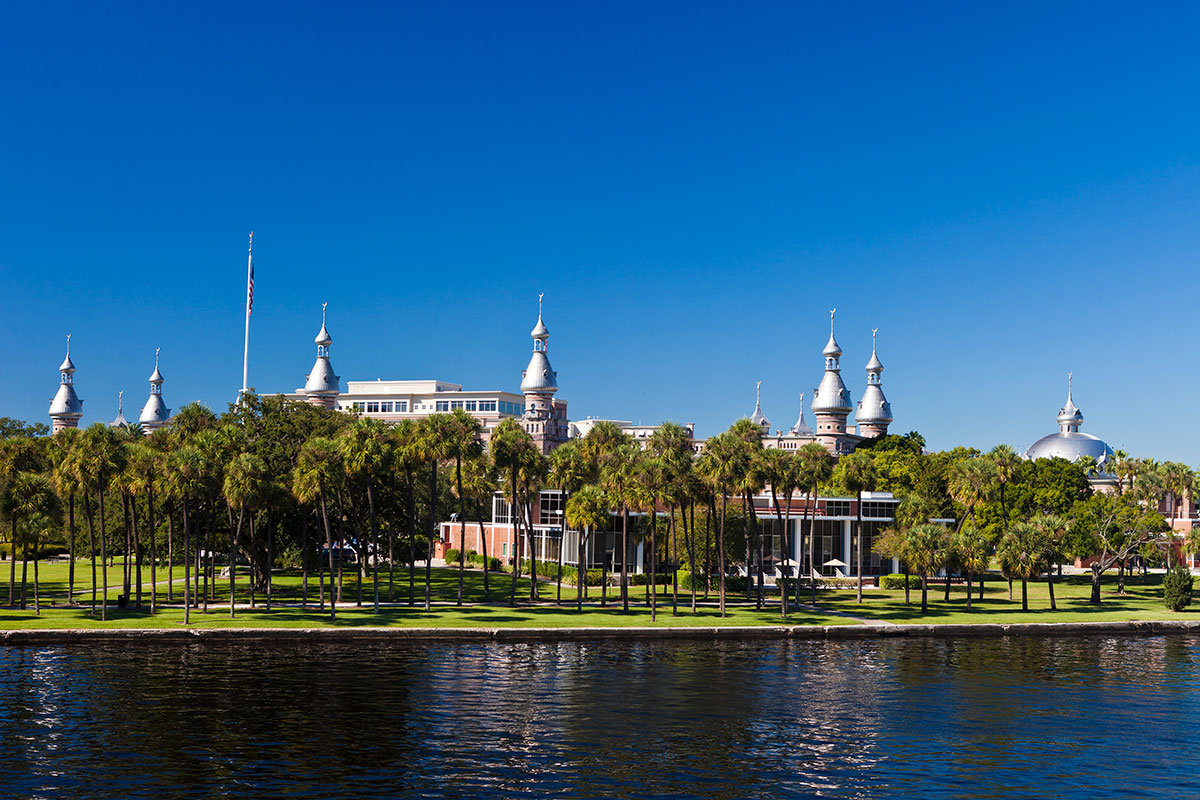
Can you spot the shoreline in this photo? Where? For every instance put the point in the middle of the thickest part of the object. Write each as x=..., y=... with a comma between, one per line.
x=458, y=635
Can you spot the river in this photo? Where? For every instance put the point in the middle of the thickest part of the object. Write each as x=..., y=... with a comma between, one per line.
x=1084, y=717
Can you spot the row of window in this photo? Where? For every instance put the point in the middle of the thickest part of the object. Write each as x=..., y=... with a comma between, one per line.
x=401, y=406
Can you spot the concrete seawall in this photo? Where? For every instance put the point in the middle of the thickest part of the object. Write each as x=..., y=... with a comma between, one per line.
x=774, y=632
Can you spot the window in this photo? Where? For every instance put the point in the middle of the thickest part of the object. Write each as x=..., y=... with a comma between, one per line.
x=501, y=510
x=402, y=406
x=550, y=508
x=837, y=508
x=358, y=406
x=878, y=508
x=373, y=407
x=443, y=405
x=504, y=549
x=456, y=404
x=471, y=405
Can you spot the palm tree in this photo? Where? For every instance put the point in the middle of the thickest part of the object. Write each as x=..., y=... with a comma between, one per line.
x=29, y=498
x=64, y=458
x=434, y=446
x=779, y=469
x=516, y=458
x=671, y=444
x=185, y=480
x=101, y=459
x=814, y=468
x=570, y=470
x=618, y=478
x=586, y=510
x=480, y=484
x=723, y=460
x=1125, y=468
x=970, y=553
x=970, y=483
x=464, y=432
x=318, y=471
x=1053, y=529
x=603, y=442
x=856, y=472
x=245, y=488
x=1022, y=551
x=366, y=452
x=925, y=551
x=1006, y=461
x=653, y=478
x=406, y=455
x=1176, y=479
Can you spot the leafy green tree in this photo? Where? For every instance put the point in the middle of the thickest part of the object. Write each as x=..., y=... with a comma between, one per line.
x=814, y=468
x=318, y=470
x=1023, y=551
x=570, y=470
x=781, y=470
x=1112, y=528
x=586, y=510
x=724, y=460
x=367, y=452
x=924, y=548
x=671, y=444
x=101, y=459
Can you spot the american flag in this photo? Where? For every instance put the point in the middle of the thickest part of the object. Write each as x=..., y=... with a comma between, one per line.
x=250, y=290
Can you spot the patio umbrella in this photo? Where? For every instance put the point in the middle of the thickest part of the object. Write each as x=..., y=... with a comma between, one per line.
x=835, y=562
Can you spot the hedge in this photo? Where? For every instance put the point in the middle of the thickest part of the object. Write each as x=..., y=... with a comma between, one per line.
x=896, y=581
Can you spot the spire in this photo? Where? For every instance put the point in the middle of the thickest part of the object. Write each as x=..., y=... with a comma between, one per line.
x=67, y=368
x=66, y=408
x=155, y=413
x=1069, y=416
x=832, y=349
x=120, y=421
x=321, y=385
x=539, y=377
x=801, y=427
x=758, y=418
x=874, y=412
x=323, y=339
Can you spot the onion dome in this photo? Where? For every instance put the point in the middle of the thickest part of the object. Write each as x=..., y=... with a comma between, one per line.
x=873, y=408
x=801, y=427
x=1069, y=442
x=539, y=377
x=831, y=397
x=758, y=417
x=321, y=380
x=155, y=413
x=66, y=408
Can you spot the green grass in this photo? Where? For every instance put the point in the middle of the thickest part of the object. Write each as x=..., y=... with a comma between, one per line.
x=1142, y=601
x=444, y=589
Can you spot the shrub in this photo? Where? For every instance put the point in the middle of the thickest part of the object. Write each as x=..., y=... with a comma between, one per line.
x=1177, y=589
x=896, y=581
x=475, y=558
x=452, y=555
x=642, y=578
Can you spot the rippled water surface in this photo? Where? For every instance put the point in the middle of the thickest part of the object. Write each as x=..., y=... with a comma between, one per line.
x=1078, y=717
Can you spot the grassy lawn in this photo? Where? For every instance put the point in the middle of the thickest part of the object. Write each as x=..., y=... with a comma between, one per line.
x=1142, y=601
x=444, y=589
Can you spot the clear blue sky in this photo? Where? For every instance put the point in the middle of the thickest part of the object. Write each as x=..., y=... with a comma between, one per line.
x=1006, y=191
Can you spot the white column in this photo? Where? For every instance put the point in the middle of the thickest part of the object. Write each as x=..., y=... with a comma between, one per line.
x=847, y=532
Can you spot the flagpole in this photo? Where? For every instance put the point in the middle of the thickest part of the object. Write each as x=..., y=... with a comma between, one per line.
x=249, y=278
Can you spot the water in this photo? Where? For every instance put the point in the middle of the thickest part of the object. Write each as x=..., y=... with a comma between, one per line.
x=1027, y=717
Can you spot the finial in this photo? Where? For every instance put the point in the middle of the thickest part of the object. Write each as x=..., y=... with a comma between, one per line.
x=832, y=311
x=323, y=305
x=156, y=357
x=540, y=296
x=251, y=241
x=874, y=331
x=68, y=344
x=120, y=401
x=758, y=391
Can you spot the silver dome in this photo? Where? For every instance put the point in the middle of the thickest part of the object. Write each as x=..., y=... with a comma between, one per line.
x=66, y=403
x=1072, y=446
x=873, y=407
x=832, y=348
x=156, y=378
x=538, y=377
x=540, y=331
x=831, y=396
x=323, y=337
x=155, y=412
x=68, y=366
x=321, y=380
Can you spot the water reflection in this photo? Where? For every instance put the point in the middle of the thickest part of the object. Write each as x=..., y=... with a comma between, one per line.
x=984, y=718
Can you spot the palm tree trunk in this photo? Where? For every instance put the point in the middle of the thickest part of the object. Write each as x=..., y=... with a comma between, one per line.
x=812, y=545
x=303, y=559
x=433, y=526
x=125, y=584
x=653, y=561
x=924, y=594
x=689, y=541
x=236, y=533
x=87, y=509
x=103, y=561
x=581, y=569
x=968, y=591
x=1050, y=585
x=721, y=549
x=187, y=561
x=859, y=556
x=24, y=569
x=329, y=544
x=671, y=532
x=12, y=565
x=137, y=555
x=515, y=555
x=270, y=565
x=1024, y=596
x=374, y=542
x=37, y=600
x=412, y=531
x=153, y=549
x=170, y=552
x=534, y=593
x=71, y=547
x=483, y=549
x=624, y=554
x=462, y=526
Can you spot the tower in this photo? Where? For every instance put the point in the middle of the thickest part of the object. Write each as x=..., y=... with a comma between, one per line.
x=758, y=417
x=321, y=385
x=66, y=408
x=801, y=427
x=155, y=413
x=874, y=412
x=120, y=421
x=1069, y=417
x=831, y=401
x=539, y=382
